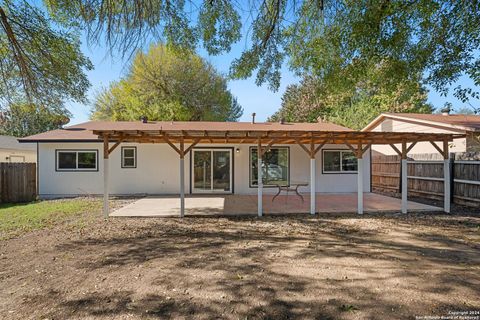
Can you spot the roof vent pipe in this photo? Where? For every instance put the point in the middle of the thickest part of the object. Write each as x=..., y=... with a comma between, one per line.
x=253, y=117
x=282, y=120
x=144, y=119
x=447, y=108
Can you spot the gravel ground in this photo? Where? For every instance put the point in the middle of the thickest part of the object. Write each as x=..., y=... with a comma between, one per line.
x=325, y=267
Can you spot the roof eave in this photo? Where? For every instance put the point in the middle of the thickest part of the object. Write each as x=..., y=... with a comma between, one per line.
x=447, y=126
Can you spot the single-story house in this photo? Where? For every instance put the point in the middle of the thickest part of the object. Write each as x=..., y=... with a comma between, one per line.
x=468, y=125
x=13, y=151
x=156, y=158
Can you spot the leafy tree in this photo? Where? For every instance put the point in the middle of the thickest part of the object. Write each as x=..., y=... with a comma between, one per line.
x=168, y=84
x=39, y=61
x=353, y=107
x=465, y=110
x=24, y=119
x=340, y=40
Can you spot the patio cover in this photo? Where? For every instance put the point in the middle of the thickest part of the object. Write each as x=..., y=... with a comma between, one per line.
x=311, y=137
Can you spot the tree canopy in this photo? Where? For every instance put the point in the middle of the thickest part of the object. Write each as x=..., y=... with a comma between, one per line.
x=24, y=119
x=166, y=83
x=40, y=61
x=342, y=40
x=339, y=42
x=314, y=100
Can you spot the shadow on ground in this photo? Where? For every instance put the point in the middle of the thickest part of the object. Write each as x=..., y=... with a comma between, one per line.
x=327, y=267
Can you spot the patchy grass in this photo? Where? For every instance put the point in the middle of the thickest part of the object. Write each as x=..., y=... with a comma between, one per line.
x=342, y=266
x=16, y=219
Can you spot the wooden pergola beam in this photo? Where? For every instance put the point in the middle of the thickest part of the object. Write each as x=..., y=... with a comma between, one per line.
x=360, y=150
x=299, y=142
x=287, y=137
x=115, y=146
x=192, y=145
x=320, y=146
x=410, y=147
x=394, y=147
x=433, y=143
x=174, y=147
x=105, y=147
x=267, y=147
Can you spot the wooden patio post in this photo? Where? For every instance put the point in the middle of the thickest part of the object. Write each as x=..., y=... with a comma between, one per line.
x=359, y=179
x=312, y=178
x=105, y=177
x=404, y=178
x=260, y=178
x=182, y=178
x=446, y=178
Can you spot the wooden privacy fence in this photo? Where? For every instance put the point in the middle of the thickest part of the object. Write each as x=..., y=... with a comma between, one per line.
x=17, y=182
x=425, y=177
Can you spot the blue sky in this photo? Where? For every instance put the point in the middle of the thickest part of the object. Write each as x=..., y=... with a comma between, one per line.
x=253, y=98
x=256, y=99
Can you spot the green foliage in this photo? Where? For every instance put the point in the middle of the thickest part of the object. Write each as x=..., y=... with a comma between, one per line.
x=337, y=40
x=465, y=110
x=40, y=62
x=24, y=119
x=168, y=84
x=353, y=107
x=435, y=39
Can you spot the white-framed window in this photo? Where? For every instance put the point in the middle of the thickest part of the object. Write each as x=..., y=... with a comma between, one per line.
x=275, y=167
x=129, y=157
x=77, y=160
x=339, y=161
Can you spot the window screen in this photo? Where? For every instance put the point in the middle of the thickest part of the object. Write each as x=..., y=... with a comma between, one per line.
x=339, y=161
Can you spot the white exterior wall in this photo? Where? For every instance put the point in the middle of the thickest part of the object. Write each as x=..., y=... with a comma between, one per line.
x=12, y=155
x=157, y=171
x=392, y=125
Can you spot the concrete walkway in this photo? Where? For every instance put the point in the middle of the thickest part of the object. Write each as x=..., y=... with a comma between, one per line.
x=231, y=205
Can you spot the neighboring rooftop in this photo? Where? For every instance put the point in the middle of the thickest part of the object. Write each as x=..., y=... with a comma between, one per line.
x=455, y=121
x=9, y=142
x=84, y=131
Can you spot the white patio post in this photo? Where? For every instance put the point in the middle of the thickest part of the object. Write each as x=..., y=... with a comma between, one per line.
x=360, y=184
x=313, y=176
x=260, y=178
x=182, y=179
x=312, y=185
x=446, y=177
x=404, y=178
x=106, y=208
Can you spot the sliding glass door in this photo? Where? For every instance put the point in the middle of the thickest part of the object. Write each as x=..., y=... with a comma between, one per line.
x=212, y=171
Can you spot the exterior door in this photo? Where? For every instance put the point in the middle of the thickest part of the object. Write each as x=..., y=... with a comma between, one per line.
x=212, y=171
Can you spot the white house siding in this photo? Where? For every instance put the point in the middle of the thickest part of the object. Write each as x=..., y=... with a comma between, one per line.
x=12, y=155
x=392, y=125
x=157, y=171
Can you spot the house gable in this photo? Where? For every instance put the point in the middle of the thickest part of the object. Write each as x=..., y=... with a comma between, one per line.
x=456, y=126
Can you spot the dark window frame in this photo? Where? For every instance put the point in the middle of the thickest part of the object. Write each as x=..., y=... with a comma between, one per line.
x=57, y=169
x=251, y=185
x=134, y=157
x=341, y=171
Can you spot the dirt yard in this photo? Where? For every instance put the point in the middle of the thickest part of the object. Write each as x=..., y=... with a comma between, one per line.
x=326, y=267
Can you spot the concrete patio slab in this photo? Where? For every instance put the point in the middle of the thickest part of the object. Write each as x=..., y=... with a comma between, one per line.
x=232, y=205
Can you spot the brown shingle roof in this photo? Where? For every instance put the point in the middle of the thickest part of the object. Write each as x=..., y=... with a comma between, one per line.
x=9, y=142
x=84, y=131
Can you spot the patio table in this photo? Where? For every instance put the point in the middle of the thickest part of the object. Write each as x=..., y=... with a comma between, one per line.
x=293, y=186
